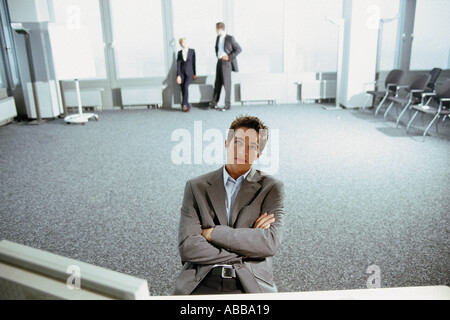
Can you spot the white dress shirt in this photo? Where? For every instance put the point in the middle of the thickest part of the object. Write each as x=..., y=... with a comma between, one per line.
x=185, y=53
x=232, y=188
x=221, y=52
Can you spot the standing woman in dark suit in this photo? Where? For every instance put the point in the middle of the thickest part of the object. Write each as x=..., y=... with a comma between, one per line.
x=186, y=72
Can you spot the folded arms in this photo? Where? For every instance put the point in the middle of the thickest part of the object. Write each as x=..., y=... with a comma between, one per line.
x=223, y=244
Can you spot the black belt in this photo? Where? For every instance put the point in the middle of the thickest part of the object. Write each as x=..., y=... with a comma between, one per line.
x=224, y=272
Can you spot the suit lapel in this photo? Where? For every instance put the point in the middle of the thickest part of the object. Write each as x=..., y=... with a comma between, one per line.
x=225, y=42
x=217, y=44
x=216, y=192
x=249, y=188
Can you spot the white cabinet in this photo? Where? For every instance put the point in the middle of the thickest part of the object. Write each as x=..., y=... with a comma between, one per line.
x=89, y=98
x=7, y=110
x=261, y=91
x=317, y=90
x=47, y=95
x=142, y=96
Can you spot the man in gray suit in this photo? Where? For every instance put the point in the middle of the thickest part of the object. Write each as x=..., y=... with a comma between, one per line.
x=227, y=49
x=231, y=221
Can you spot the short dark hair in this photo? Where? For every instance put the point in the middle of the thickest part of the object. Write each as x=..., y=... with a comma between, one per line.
x=251, y=123
x=220, y=25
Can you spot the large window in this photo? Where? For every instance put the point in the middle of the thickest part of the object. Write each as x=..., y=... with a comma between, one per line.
x=138, y=38
x=196, y=20
x=258, y=26
x=3, y=83
x=389, y=12
x=85, y=13
x=316, y=39
x=431, y=46
x=10, y=55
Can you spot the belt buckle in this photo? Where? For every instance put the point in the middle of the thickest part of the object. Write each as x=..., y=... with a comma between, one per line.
x=227, y=272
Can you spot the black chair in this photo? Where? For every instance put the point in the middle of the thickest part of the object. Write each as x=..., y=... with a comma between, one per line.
x=435, y=73
x=413, y=97
x=442, y=96
x=393, y=79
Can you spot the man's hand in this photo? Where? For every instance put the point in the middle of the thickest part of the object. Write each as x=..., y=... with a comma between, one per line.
x=264, y=221
x=194, y=78
x=179, y=80
x=226, y=58
x=207, y=234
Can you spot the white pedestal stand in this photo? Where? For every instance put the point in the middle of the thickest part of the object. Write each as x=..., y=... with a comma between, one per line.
x=80, y=118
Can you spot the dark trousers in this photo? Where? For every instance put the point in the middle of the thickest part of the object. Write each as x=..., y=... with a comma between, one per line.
x=223, y=78
x=185, y=82
x=217, y=285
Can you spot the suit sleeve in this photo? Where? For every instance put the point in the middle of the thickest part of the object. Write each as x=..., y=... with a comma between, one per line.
x=192, y=246
x=256, y=243
x=236, y=49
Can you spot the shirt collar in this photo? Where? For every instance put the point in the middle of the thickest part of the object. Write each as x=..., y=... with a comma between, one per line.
x=223, y=35
x=226, y=176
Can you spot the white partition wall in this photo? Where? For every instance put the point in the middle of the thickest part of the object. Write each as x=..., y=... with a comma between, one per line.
x=31, y=274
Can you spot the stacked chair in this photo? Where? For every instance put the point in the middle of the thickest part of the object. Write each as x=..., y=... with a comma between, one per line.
x=414, y=90
x=442, y=97
x=420, y=95
x=392, y=81
x=435, y=73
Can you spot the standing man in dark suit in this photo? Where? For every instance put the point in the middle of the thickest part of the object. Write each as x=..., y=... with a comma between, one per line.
x=186, y=72
x=227, y=49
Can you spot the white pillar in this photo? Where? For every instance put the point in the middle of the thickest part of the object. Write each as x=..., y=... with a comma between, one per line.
x=360, y=50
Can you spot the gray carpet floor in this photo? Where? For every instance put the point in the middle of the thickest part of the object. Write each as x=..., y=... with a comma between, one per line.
x=359, y=192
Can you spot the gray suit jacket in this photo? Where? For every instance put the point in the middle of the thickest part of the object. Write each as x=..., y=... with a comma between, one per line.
x=204, y=207
x=232, y=49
